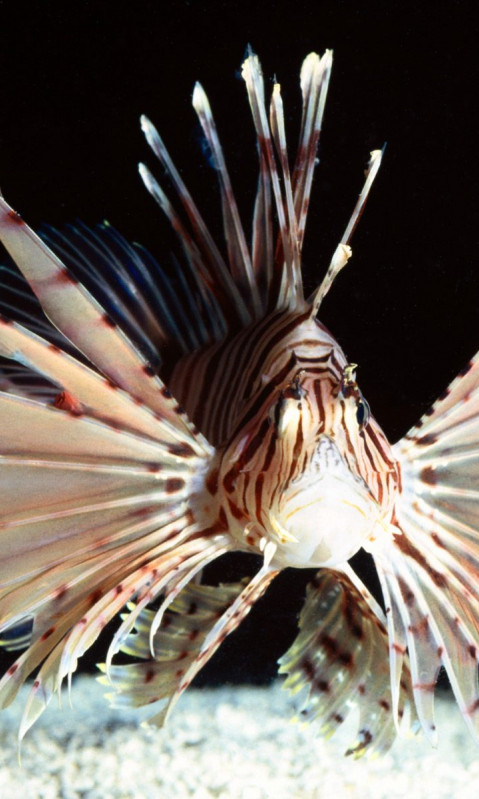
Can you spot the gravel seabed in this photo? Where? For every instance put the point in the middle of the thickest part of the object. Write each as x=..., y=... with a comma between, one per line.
x=231, y=742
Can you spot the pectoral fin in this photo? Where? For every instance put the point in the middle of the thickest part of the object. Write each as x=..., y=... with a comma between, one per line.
x=429, y=568
x=192, y=628
x=341, y=658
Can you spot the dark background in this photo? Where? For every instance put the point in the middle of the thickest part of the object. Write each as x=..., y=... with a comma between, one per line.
x=76, y=76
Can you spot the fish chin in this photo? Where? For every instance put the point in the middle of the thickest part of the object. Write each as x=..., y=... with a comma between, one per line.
x=323, y=524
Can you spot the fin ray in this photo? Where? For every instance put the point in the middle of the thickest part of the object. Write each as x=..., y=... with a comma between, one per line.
x=341, y=657
x=80, y=317
x=431, y=564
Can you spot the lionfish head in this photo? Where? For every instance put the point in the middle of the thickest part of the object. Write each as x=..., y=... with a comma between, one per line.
x=295, y=474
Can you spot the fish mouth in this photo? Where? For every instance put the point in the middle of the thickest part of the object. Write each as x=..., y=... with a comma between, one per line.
x=324, y=517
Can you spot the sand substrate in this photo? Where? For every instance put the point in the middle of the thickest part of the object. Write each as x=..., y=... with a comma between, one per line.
x=236, y=743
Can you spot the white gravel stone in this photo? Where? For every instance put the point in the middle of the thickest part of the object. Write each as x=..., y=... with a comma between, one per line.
x=224, y=743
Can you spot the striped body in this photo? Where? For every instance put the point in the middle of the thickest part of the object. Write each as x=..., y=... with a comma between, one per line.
x=275, y=394
x=122, y=475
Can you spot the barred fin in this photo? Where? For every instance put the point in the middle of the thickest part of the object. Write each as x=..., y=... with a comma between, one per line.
x=176, y=644
x=448, y=421
x=192, y=628
x=81, y=318
x=430, y=567
x=72, y=576
x=105, y=513
x=343, y=251
x=315, y=75
x=146, y=582
x=438, y=627
x=72, y=599
x=287, y=275
x=228, y=622
x=97, y=396
x=341, y=658
x=238, y=253
x=128, y=282
x=269, y=278
x=196, y=240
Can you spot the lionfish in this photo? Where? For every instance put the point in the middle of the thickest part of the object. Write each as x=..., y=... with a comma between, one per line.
x=117, y=489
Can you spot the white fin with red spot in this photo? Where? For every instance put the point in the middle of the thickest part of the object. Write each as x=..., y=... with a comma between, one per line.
x=177, y=643
x=196, y=241
x=81, y=319
x=288, y=269
x=229, y=621
x=95, y=395
x=315, y=75
x=105, y=512
x=238, y=253
x=429, y=566
x=340, y=658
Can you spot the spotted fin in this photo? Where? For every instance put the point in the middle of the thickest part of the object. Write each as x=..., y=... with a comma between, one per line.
x=159, y=307
x=93, y=394
x=429, y=568
x=175, y=646
x=81, y=318
x=263, y=275
x=133, y=287
x=108, y=476
x=184, y=641
x=103, y=515
x=340, y=658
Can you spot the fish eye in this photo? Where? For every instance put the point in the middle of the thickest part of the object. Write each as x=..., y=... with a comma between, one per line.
x=295, y=390
x=363, y=412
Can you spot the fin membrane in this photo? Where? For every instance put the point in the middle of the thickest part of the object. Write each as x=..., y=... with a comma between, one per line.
x=176, y=646
x=340, y=658
x=430, y=568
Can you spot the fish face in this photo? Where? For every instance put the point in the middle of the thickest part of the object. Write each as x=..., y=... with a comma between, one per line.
x=324, y=516
x=297, y=474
